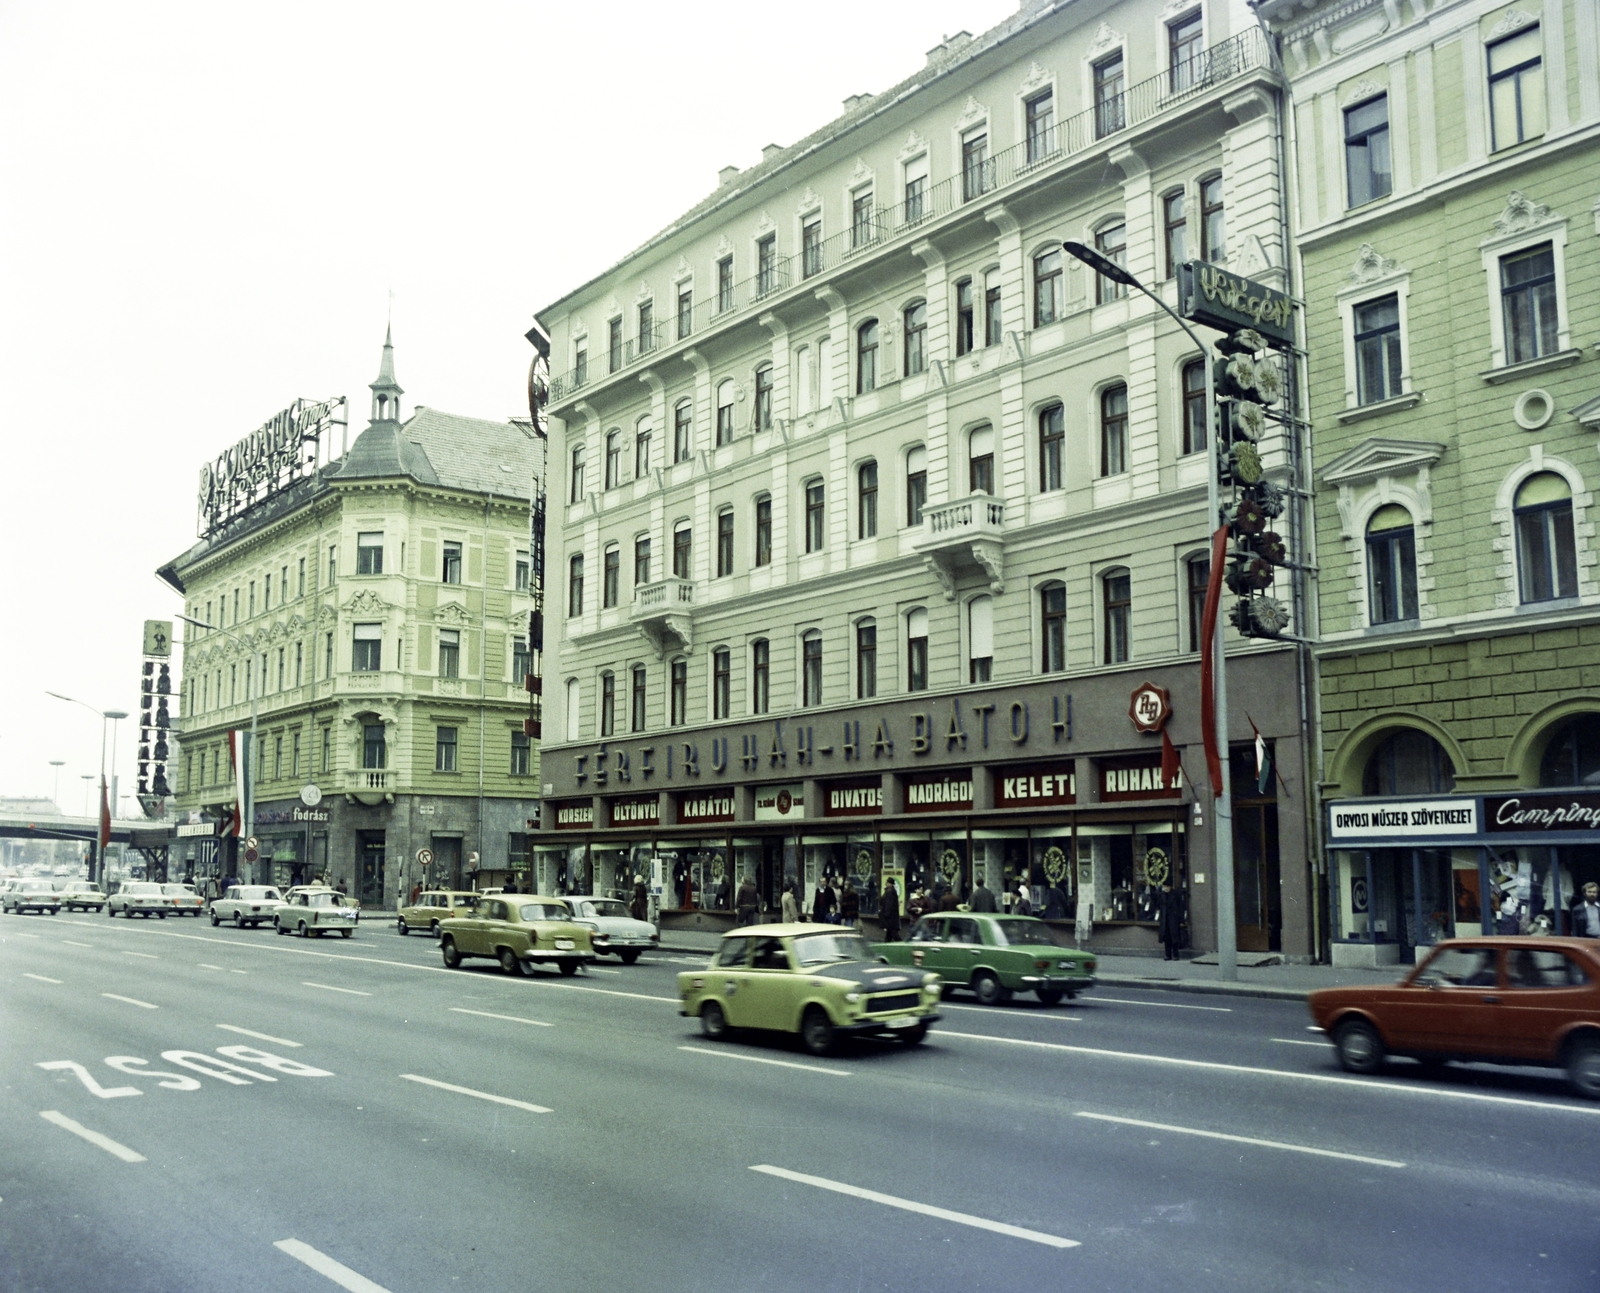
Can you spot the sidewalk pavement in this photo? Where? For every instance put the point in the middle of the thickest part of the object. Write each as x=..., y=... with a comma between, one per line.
x=1282, y=982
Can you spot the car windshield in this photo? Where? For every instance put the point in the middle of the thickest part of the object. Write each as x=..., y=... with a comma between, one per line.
x=464, y=900
x=607, y=907
x=542, y=911
x=144, y=888
x=1020, y=931
x=823, y=949
x=326, y=900
x=257, y=891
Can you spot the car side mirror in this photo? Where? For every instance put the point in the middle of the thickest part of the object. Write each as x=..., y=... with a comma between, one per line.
x=883, y=960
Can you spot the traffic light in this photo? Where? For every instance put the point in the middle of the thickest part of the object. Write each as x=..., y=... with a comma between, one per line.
x=1248, y=381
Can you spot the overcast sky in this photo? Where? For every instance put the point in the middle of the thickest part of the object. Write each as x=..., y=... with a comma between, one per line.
x=205, y=207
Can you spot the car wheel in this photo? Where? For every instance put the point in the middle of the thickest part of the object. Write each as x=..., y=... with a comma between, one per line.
x=816, y=1031
x=914, y=1036
x=1583, y=1067
x=630, y=956
x=988, y=989
x=434, y=929
x=509, y=962
x=215, y=920
x=713, y=1023
x=301, y=929
x=401, y=927
x=1359, y=1047
x=277, y=926
x=161, y=915
x=346, y=932
x=110, y=911
x=569, y=968
x=1050, y=996
x=452, y=958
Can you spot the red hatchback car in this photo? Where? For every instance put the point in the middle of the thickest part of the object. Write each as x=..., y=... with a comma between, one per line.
x=1501, y=1000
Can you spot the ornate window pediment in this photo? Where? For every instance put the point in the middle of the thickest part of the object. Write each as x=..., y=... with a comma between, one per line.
x=861, y=172
x=1521, y=215
x=1106, y=39
x=914, y=146
x=366, y=602
x=1361, y=91
x=1380, y=456
x=1035, y=78
x=972, y=114
x=1513, y=20
x=452, y=613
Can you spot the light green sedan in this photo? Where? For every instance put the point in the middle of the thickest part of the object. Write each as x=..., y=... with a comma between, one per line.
x=818, y=981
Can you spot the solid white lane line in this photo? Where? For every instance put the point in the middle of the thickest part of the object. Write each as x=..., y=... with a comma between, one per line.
x=1242, y=1140
x=93, y=1137
x=17, y=933
x=132, y=1001
x=761, y=1059
x=328, y=987
x=70, y=943
x=612, y=992
x=1165, y=1005
x=910, y=1205
x=489, y=1014
x=1364, y=1084
x=263, y=1037
x=480, y=1095
x=40, y=977
x=338, y=1272
x=1029, y=1015
x=149, y=956
x=207, y=966
x=1297, y=1041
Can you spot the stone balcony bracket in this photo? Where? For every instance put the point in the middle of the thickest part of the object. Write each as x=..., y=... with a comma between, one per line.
x=369, y=786
x=963, y=538
x=663, y=612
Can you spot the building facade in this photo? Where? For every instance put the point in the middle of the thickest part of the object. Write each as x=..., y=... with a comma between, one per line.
x=1448, y=188
x=871, y=508
x=373, y=617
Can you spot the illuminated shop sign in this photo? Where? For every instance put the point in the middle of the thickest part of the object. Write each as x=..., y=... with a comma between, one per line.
x=279, y=453
x=858, y=797
x=1040, y=785
x=1575, y=811
x=941, y=792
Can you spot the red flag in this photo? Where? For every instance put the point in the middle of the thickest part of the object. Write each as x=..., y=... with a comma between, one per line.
x=1208, y=634
x=105, y=817
x=1170, y=762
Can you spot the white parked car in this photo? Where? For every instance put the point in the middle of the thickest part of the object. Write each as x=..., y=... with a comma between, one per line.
x=80, y=895
x=614, y=931
x=185, y=901
x=31, y=895
x=246, y=904
x=139, y=897
x=309, y=910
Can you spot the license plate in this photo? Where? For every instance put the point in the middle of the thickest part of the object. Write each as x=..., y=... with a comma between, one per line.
x=904, y=1022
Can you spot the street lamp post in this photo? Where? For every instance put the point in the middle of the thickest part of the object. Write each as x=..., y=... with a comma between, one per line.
x=113, y=715
x=55, y=790
x=249, y=825
x=1227, y=928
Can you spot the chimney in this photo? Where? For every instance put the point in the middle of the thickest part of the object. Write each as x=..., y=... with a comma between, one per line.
x=949, y=45
x=771, y=151
x=855, y=101
x=726, y=176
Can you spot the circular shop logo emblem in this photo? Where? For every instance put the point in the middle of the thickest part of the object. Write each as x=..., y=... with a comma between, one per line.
x=1055, y=865
x=311, y=794
x=1156, y=867
x=864, y=864
x=785, y=802
x=950, y=864
x=1149, y=707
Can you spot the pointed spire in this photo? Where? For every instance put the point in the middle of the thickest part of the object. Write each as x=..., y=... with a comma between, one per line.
x=386, y=392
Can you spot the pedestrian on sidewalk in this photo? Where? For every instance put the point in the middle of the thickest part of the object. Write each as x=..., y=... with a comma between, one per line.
x=747, y=901
x=1055, y=903
x=1083, y=927
x=916, y=906
x=1586, y=913
x=1169, y=914
x=982, y=899
x=823, y=903
x=948, y=901
x=889, y=911
x=791, y=908
x=1024, y=903
x=849, y=905
x=639, y=907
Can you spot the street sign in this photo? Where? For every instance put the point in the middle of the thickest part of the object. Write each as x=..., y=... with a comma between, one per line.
x=1211, y=295
x=251, y=854
x=252, y=843
x=425, y=857
x=158, y=637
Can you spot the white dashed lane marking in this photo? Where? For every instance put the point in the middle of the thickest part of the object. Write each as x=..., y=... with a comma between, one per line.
x=477, y=1095
x=260, y=1037
x=320, y=1262
x=42, y=978
x=132, y=1001
x=93, y=1137
x=1243, y=1140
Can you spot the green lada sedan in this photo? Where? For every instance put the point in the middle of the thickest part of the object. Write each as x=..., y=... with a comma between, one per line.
x=994, y=955
x=519, y=931
x=819, y=981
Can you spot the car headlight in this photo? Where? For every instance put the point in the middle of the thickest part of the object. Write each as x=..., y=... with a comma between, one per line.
x=852, y=997
x=930, y=980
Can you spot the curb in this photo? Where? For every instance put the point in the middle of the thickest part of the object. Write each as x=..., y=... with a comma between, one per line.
x=1206, y=988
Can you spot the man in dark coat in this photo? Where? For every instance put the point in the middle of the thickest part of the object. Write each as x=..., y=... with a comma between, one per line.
x=889, y=912
x=849, y=904
x=1055, y=903
x=822, y=903
x=747, y=901
x=1169, y=912
x=982, y=898
x=639, y=908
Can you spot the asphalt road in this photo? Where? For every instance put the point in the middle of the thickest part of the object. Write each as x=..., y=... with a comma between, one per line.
x=316, y=1115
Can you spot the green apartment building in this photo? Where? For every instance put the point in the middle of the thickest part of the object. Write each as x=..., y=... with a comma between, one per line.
x=373, y=611
x=1447, y=185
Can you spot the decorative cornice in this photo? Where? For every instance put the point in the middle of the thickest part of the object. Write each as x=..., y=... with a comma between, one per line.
x=1377, y=456
x=1512, y=20
x=1362, y=90
x=1521, y=214
x=1371, y=265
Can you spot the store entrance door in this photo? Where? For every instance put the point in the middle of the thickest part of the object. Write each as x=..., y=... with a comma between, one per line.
x=446, y=871
x=1255, y=877
x=369, y=845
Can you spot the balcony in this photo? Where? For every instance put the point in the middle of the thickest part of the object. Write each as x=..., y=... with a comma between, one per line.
x=962, y=538
x=369, y=786
x=663, y=612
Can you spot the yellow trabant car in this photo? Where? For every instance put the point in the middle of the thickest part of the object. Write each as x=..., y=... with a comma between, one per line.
x=820, y=981
x=433, y=907
x=518, y=930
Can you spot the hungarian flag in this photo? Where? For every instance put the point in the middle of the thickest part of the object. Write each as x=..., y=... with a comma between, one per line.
x=1263, y=760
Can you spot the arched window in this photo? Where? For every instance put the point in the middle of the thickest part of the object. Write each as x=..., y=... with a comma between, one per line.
x=1391, y=566
x=643, y=434
x=980, y=460
x=916, y=332
x=1112, y=243
x=1053, y=626
x=866, y=658
x=1213, y=245
x=613, y=458
x=1547, y=559
x=1052, y=438
x=575, y=585
x=1408, y=762
x=678, y=701
x=760, y=676
x=682, y=430
x=724, y=543
x=1194, y=406
x=725, y=412
x=637, y=699
x=1114, y=430
x=965, y=314
x=867, y=500
x=574, y=697
x=1117, y=589
x=610, y=576
x=608, y=703
x=682, y=549
x=867, y=357
x=721, y=681
x=1048, y=296
x=816, y=527
x=917, y=650
x=763, y=413
x=1572, y=757
x=811, y=668
x=1198, y=570
x=579, y=452
x=763, y=530
x=916, y=484
x=980, y=639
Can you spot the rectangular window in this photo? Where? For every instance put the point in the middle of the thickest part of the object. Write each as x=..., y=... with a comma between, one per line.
x=637, y=699
x=811, y=669
x=815, y=533
x=964, y=316
x=614, y=344
x=449, y=653
x=862, y=228
x=610, y=577
x=1114, y=430
x=370, y=554
x=1392, y=566
x=641, y=561
x=1040, y=114
x=1377, y=340
x=367, y=656
x=1194, y=407
x=1175, y=225
x=444, y=749
x=1108, y=97
x=579, y=454
x=608, y=704
x=725, y=285
x=977, y=173
x=374, y=747
x=299, y=583
x=916, y=338
x=991, y=308
x=762, y=416
x=327, y=662
x=1546, y=552
x=1516, y=88
x=916, y=190
x=522, y=572
x=1053, y=627
x=725, y=413
x=721, y=681
x=521, y=754
x=685, y=312
x=1052, y=438
x=641, y=451
x=867, y=501
x=1118, y=605
x=277, y=758
x=811, y=246
x=327, y=749
x=866, y=660
x=760, y=676
x=1366, y=150
x=280, y=667
x=1047, y=299
x=1112, y=243
x=767, y=264
x=980, y=465
x=575, y=585
x=866, y=358
x=682, y=539
x=1213, y=246
x=1199, y=569
x=682, y=431
x=916, y=486
x=521, y=662
x=295, y=755
x=299, y=662
x=1185, y=63
x=580, y=366
x=252, y=599
x=1528, y=302
x=763, y=532
x=917, y=659
x=647, y=327
x=266, y=600
x=451, y=573
x=679, y=699
x=724, y=543
x=613, y=459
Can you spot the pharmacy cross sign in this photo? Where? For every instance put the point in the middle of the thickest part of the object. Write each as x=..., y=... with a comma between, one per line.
x=1150, y=707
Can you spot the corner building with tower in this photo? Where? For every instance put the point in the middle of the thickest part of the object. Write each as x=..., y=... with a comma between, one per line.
x=373, y=605
x=871, y=509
